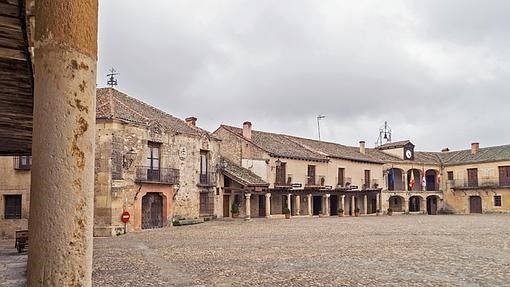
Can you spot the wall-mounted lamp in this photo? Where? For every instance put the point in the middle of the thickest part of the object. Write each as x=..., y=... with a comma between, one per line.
x=128, y=158
x=278, y=163
x=221, y=165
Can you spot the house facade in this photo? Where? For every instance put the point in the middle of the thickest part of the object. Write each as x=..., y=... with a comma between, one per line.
x=14, y=194
x=152, y=165
x=307, y=177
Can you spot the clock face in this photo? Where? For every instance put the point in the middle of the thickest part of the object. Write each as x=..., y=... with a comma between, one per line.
x=409, y=154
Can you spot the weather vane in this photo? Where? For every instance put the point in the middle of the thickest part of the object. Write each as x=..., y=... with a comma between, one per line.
x=112, y=82
x=384, y=135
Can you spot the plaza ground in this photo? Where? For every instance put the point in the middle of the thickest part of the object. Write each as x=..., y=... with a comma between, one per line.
x=414, y=250
x=409, y=250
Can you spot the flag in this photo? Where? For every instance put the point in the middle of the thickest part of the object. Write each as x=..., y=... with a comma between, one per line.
x=423, y=179
x=411, y=181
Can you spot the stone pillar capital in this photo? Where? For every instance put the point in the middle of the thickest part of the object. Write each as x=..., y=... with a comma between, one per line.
x=268, y=195
x=247, y=195
x=327, y=195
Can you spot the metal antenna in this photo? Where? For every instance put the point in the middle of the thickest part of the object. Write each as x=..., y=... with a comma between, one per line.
x=384, y=135
x=319, y=117
x=112, y=82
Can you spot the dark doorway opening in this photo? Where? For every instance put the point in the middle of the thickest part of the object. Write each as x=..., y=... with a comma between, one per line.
x=475, y=204
x=432, y=205
x=152, y=211
x=317, y=205
x=262, y=205
x=333, y=199
x=226, y=205
x=414, y=204
x=373, y=205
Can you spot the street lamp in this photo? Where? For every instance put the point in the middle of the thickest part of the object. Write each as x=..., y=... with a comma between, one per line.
x=278, y=162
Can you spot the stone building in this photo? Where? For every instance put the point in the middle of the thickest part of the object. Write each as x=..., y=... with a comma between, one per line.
x=14, y=194
x=308, y=177
x=151, y=164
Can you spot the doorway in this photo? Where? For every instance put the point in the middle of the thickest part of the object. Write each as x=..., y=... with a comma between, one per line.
x=432, y=205
x=475, y=204
x=152, y=211
x=226, y=205
x=333, y=204
x=262, y=205
x=317, y=205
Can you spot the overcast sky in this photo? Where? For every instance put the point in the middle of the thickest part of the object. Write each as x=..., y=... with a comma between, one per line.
x=437, y=71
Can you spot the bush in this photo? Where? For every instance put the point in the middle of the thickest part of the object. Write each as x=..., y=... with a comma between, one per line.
x=340, y=210
x=286, y=210
x=235, y=208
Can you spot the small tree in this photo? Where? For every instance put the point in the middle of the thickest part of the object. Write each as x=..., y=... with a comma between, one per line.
x=235, y=208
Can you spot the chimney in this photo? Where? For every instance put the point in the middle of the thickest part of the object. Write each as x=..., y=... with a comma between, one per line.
x=191, y=121
x=362, y=147
x=247, y=130
x=475, y=147
x=445, y=149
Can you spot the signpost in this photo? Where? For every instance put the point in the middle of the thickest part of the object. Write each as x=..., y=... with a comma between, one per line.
x=125, y=218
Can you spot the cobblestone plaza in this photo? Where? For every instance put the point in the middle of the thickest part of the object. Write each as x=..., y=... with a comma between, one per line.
x=469, y=250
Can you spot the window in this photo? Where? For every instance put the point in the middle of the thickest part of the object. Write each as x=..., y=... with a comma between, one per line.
x=504, y=175
x=12, y=206
x=472, y=177
x=311, y=175
x=23, y=162
x=153, y=161
x=367, y=179
x=450, y=175
x=281, y=172
x=497, y=200
x=341, y=176
x=204, y=167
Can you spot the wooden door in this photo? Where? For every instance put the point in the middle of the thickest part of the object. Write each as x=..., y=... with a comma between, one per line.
x=341, y=177
x=281, y=173
x=152, y=211
x=226, y=206
x=262, y=205
x=472, y=177
x=475, y=204
x=311, y=175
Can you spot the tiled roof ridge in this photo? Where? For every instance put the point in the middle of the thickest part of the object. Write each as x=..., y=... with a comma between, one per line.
x=229, y=128
x=118, y=97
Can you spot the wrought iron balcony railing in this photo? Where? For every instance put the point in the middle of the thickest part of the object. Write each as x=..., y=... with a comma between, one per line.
x=207, y=179
x=478, y=183
x=283, y=181
x=318, y=180
x=162, y=175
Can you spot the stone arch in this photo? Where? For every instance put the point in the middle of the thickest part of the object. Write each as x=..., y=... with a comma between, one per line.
x=165, y=191
x=432, y=204
x=415, y=203
x=394, y=180
x=396, y=203
x=431, y=183
x=417, y=180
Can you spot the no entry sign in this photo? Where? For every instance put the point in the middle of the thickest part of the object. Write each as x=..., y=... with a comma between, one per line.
x=125, y=217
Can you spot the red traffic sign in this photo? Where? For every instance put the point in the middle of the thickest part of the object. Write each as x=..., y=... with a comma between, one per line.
x=125, y=217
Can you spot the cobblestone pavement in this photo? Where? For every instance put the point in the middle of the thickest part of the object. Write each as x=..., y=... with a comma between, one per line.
x=366, y=251
x=12, y=265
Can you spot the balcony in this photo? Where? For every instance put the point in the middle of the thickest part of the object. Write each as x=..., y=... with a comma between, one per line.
x=283, y=182
x=465, y=184
x=162, y=175
x=315, y=181
x=373, y=185
x=207, y=179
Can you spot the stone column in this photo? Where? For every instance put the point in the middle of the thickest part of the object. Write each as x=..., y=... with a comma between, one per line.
x=298, y=205
x=406, y=204
x=289, y=203
x=326, y=201
x=423, y=205
x=63, y=143
x=365, y=204
x=343, y=203
x=406, y=183
x=310, y=208
x=247, y=206
x=353, y=204
x=378, y=202
x=268, y=205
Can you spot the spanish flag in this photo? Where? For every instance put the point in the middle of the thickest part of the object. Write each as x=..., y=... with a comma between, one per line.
x=411, y=181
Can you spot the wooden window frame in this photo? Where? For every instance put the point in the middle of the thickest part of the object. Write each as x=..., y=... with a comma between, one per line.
x=500, y=200
x=449, y=175
x=18, y=208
